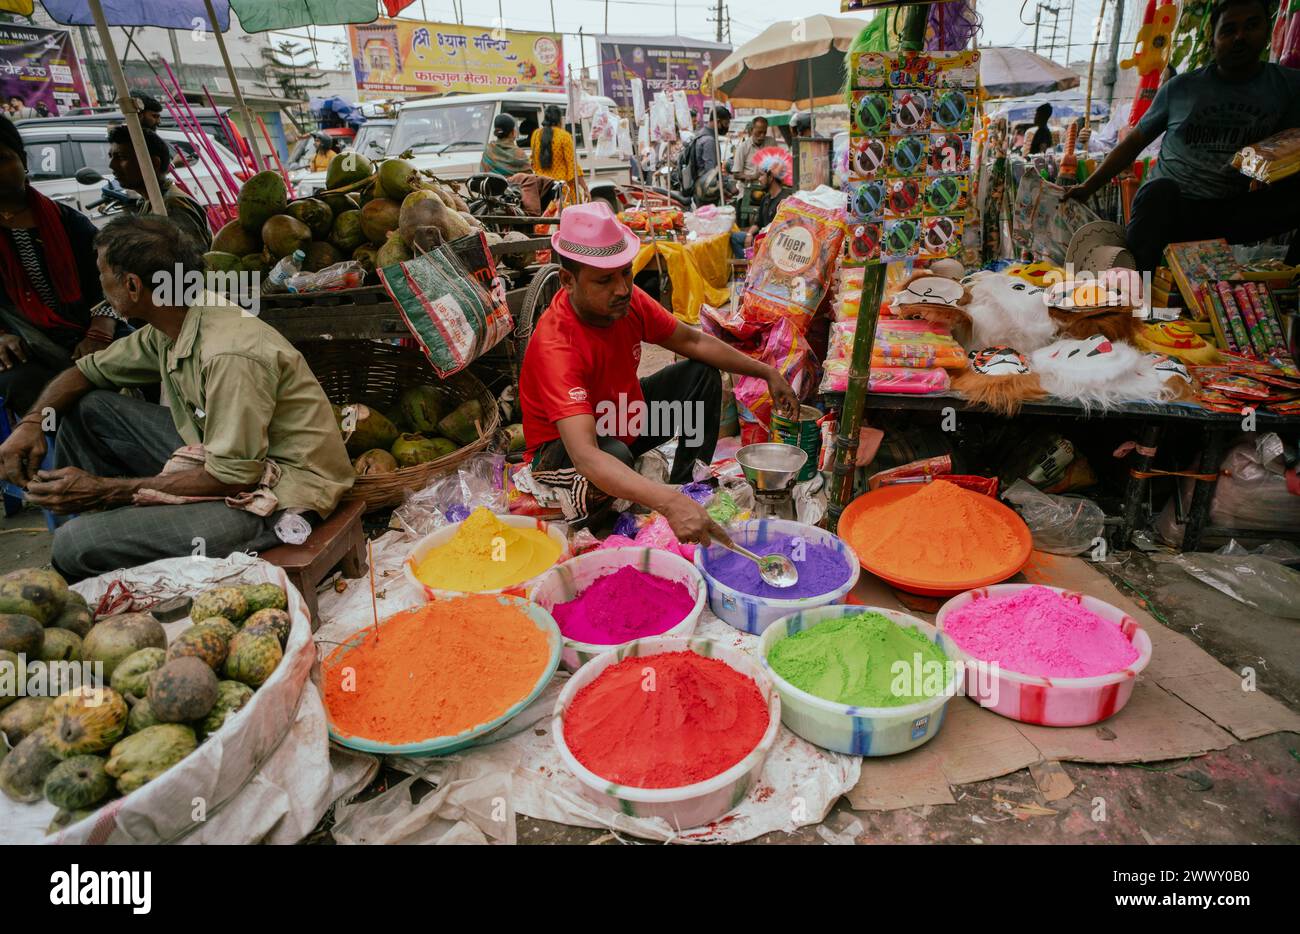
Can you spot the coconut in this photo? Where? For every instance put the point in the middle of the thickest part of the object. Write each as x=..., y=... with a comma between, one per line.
x=392, y=252
x=315, y=213
x=338, y=203
x=233, y=238
x=262, y=197
x=474, y=223
x=518, y=260
x=320, y=255
x=347, y=168
x=422, y=408
x=346, y=234
x=372, y=430
x=399, y=178
x=420, y=209
x=365, y=255
x=445, y=197
x=460, y=424
x=255, y=262
x=412, y=449
x=378, y=217
x=220, y=262
x=283, y=234
x=374, y=462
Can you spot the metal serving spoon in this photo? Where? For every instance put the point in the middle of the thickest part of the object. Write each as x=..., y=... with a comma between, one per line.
x=776, y=570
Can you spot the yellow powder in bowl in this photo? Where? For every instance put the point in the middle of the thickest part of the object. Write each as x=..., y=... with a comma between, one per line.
x=485, y=554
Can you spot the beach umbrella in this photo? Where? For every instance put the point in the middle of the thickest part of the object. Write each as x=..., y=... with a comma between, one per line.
x=790, y=62
x=1019, y=73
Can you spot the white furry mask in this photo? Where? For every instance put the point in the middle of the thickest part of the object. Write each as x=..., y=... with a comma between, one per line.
x=1007, y=311
x=1097, y=371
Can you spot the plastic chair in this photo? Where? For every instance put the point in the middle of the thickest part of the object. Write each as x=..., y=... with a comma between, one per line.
x=14, y=495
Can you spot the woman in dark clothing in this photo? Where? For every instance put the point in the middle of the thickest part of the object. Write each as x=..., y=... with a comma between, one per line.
x=48, y=282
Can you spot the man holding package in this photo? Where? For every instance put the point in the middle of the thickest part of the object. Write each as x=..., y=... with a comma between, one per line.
x=587, y=417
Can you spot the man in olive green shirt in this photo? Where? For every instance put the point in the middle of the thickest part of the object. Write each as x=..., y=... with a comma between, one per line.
x=187, y=213
x=229, y=383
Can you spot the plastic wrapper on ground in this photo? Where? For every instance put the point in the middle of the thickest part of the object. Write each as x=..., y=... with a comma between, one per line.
x=1251, y=579
x=1063, y=525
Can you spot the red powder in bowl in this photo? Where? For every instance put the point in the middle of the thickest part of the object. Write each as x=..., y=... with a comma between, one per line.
x=667, y=720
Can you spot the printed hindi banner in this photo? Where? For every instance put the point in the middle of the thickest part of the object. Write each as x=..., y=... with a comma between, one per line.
x=39, y=72
x=400, y=57
x=663, y=63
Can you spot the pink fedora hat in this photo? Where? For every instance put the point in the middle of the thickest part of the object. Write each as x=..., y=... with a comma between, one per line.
x=591, y=234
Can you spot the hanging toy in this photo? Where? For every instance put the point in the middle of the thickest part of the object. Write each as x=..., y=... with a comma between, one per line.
x=999, y=379
x=1150, y=55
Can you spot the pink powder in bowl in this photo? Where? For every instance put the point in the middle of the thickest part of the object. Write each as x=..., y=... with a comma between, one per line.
x=625, y=605
x=1039, y=632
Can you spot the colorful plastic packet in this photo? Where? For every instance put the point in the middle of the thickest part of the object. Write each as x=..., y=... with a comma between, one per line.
x=1238, y=386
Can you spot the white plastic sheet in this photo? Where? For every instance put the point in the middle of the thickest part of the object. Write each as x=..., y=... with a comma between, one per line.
x=264, y=777
x=799, y=784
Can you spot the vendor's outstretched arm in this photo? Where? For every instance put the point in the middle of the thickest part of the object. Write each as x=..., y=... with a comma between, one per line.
x=689, y=342
x=689, y=520
x=1120, y=158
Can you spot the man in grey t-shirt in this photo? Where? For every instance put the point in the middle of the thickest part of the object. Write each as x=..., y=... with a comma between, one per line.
x=1206, y=115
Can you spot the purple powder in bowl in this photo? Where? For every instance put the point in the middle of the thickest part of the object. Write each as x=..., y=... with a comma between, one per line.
x=822, y=569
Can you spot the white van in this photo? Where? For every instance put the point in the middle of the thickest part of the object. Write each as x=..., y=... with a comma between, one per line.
x=447, y=136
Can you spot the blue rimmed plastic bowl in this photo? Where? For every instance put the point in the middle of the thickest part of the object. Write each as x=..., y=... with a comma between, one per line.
x=857, y=731
x=441, y=745
x=753, y=614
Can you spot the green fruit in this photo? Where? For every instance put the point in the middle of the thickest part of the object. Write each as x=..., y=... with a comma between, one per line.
x=24, y=770
x=203, y=644
x=339, y=203
x=183, y=689
x=226, y=602
x=411, y=449
x=87, y=719
x=131, y=677
x=61, y=646
x=346, y=168
x=231, y=696
x=265, y=596
x=21, y=634
x=76, y=616
x=372, y=430
x=346, y=234
x=23, y=716
x=399, y=178
x=143, y=756
x=35, y=593
x=393, y=251
x=516, y=433
x=253, y=658
x=422, y=407
x=313, y=212
x=319, y=255
x=255, y=262
x=461, y=425
x=77, y=783
x=378, y=217
x=233, y=238
x=216, y=261
x=276, y=622
x=374, y=462
x=62, y=820
x=365, y=255
x=12, y=670
x=261, y=197
x=283, y=234
x=141, y=717
x=111, y=640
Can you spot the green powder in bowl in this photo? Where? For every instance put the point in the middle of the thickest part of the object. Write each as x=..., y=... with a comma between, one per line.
x=854, y=660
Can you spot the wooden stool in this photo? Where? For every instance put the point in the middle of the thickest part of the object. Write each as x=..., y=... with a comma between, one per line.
x=338, y=541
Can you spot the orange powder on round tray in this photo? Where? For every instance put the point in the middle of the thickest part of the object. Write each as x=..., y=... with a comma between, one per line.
x=434, y=671
x=939, y=533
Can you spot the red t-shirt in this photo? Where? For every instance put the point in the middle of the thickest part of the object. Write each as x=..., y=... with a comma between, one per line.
x=570, y=367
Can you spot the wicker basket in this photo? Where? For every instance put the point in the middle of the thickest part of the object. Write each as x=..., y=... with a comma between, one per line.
x=374, y=373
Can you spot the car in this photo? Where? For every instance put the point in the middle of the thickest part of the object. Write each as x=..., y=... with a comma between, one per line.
x=217, y=124
x=56, y=151
x=371, y=141
x=448, y=134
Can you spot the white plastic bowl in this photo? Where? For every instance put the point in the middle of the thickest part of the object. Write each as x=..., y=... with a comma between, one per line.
x=857, y=731
x=443, y=535
x=1048, y=701
x=566, y=581
x=687, y=805
x=753, y=614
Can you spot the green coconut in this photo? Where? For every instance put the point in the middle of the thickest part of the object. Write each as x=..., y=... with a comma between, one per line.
x=255, y=262
x=217, y=261
x=372, y=430
x=376, y=461
x=422, y=209
x=233, y=238
x=399, y=178
x=422, y=408
x=338, y=203
x=378, y=217
x=283, y=234
x=320, y=255
x=392, y=252
x=365, y=255
x=346, y=234
x=315, y=213
x=347, y=168
x=460, y=424
x=412, y=449
x=263, y=196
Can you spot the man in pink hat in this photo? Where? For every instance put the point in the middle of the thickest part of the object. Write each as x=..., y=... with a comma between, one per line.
x=587, y=417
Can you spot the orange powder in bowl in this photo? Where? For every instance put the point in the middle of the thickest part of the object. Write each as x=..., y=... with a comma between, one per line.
x=434, y=671
x=940, y=533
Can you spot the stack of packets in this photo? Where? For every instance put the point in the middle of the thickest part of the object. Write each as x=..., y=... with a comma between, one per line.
x=1271, y=159
x=1194, y=265
x=1240, y=382
x=908, y=187
x=907, y=357
x=1246, y=322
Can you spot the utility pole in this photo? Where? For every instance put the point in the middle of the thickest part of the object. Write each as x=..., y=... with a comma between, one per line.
x=1038, y=15
x=1069, y=34
x=1112, y=65
x=675, y=18
x=552, y=15
x=607, y=17
x=717, y=19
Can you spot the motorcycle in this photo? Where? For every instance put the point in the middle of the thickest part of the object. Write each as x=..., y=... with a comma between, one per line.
x=113, y=197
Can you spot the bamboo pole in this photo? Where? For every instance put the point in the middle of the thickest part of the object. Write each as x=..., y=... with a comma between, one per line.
x=1092, y=65
x=130, y=108
x=253, y=147
x=864, y=339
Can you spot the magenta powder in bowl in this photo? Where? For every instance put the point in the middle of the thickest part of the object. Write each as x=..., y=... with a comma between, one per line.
x=624, y=605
